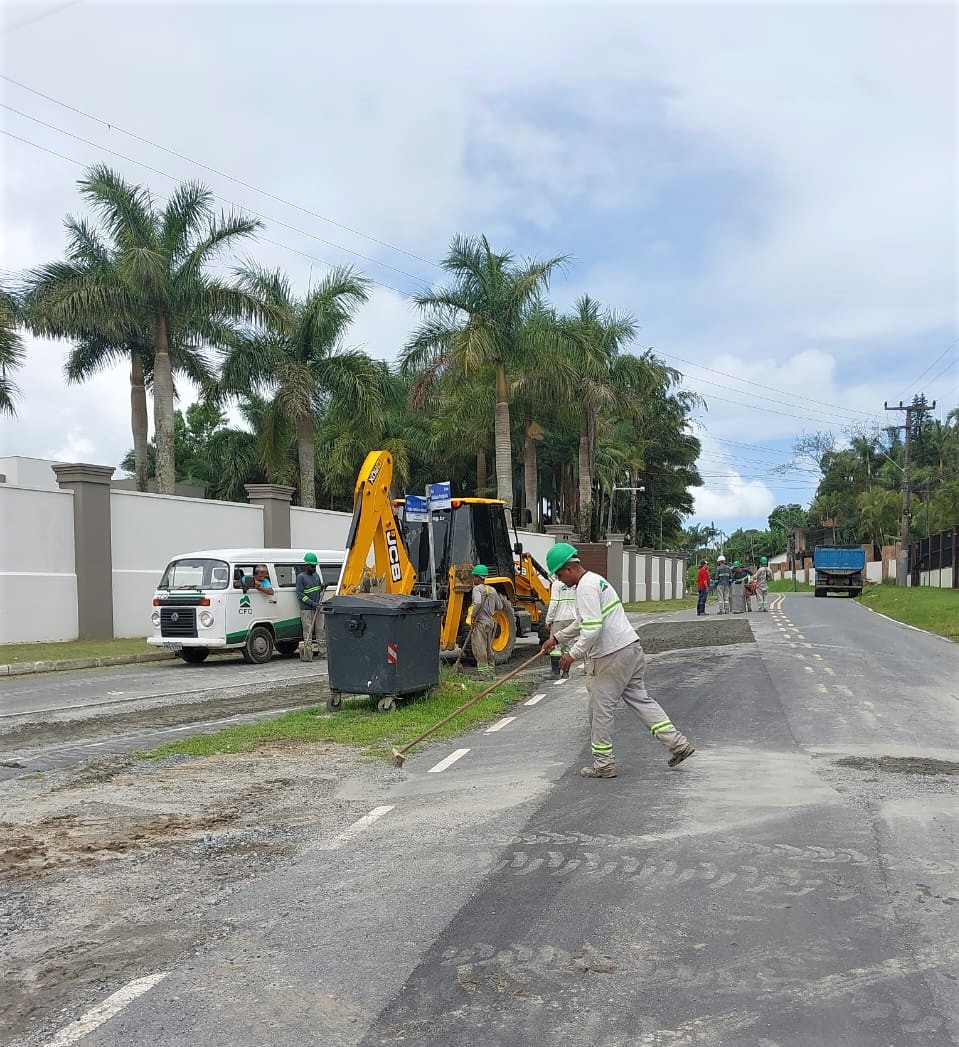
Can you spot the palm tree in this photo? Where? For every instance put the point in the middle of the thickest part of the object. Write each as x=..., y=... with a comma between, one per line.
x=477, y=326
x=11, y=351
x=298, y=357
x=607, y=382
x=145, y=281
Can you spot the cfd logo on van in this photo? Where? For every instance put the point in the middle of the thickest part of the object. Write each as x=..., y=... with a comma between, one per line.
x=245, y=602
x=393, y=552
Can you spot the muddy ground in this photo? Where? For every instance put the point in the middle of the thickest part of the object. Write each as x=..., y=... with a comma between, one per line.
x=108, y=867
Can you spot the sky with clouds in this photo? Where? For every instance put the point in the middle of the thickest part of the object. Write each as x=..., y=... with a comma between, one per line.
x=769, y=188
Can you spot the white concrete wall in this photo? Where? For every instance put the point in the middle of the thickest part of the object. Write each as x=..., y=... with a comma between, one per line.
x=147, y=530
x=536, y=545
x=38, y=584
x=627, y=594
x=640, y=593
x=652, y=588
x=941, y=579
x=29, y=472
x=318, y=528
x=670, y=587
x=874, y=571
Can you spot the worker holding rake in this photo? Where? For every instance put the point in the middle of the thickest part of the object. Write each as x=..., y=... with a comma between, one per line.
x=617, y=663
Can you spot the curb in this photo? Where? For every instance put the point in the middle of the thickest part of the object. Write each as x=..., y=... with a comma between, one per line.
x=906, y=625
x=64, y=664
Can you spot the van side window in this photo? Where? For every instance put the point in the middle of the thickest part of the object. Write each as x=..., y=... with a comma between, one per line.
x=330, y=573
x=286, y=575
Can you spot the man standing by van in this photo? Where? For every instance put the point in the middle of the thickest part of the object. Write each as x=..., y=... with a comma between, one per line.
x=309, y=593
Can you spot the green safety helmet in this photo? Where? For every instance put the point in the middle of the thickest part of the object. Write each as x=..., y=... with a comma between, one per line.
x=560, y=554
x=481, y=570
x=736, y=563
x=310, y=558
x=762, y=559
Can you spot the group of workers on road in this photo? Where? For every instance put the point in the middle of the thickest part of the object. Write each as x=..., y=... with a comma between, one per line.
x=735, y=586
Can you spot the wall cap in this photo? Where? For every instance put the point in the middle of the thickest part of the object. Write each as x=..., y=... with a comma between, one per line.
x=81, y=472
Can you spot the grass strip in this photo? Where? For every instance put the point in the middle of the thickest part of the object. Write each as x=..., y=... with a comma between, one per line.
x=359, y=723
x=17, y=653
x=935, y=610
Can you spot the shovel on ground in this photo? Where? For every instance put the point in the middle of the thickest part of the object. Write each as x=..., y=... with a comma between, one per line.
x=399, y=755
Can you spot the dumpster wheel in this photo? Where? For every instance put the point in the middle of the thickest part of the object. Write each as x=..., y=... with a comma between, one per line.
x=333, y=703
x=386, y=704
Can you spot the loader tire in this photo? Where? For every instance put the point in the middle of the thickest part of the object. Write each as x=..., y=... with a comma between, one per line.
x=504, y=636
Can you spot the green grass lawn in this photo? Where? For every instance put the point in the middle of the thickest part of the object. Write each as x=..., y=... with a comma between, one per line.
x=936, y=610
x=359, y=723
x=661, y=606
x=16, y=653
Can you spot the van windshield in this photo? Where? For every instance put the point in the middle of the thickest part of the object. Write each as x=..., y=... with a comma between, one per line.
x=191, y=573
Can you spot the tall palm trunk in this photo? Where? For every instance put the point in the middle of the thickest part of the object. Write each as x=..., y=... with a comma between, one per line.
x=583, y=524
x=504, y=451
x=163, y=410
x=139, y=419
x=481, y=477
x=306, y=452
x=530, y=488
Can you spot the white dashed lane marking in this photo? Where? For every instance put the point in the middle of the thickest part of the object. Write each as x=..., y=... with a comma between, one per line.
x=536, y=698
x=448, y=762
x=103, y=1012
x=499, y=725
x=356, y=828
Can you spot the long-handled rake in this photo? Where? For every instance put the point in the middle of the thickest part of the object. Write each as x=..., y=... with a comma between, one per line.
x=399, y=755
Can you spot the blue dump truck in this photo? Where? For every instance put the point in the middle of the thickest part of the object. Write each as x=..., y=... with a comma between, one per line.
x=839, y=569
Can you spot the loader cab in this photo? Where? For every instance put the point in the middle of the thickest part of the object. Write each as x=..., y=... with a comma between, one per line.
x=474, y=531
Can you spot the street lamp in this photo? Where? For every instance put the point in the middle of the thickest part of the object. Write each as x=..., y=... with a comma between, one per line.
x=612, y=498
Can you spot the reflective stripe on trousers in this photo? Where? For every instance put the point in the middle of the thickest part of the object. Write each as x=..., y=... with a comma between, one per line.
x=622, y=675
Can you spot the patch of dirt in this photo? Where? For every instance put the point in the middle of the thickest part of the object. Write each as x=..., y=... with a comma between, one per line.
x=899, y=764
x=657, y=637
x=101, y=876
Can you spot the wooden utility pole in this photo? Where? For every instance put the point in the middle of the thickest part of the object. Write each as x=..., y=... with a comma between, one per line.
x=902, y=561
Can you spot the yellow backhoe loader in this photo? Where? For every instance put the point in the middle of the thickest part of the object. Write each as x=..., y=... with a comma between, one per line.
x=385, y=553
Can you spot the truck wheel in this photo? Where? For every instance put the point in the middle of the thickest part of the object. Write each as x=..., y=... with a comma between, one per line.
x=855, y=592
x=194, y=655
x=820, y=592
x=504, y=636
x=259, y=646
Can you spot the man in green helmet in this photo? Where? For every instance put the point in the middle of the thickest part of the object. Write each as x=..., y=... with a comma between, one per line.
x=309, y=593
x=762, y=578
x=617, y=663
x=483, y=606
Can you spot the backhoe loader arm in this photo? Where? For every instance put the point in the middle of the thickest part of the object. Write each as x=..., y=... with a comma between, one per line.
x=374, y=527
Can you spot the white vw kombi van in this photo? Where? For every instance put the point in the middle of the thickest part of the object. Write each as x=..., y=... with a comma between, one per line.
x=201, y=604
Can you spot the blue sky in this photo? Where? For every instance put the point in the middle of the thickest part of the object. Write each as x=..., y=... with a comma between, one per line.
x=770, y=189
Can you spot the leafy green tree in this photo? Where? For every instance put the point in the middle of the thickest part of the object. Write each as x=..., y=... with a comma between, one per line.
x=149, y=282
x=477, y=325
x=298, y=356
x=11, y=351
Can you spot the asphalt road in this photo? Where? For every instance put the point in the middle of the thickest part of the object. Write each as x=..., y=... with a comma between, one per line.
x=787, y=886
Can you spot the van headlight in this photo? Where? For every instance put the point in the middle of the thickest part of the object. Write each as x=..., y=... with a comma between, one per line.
x=206, y=619
x=155, y=618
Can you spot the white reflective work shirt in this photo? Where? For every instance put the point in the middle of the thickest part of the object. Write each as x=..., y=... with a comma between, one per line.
x=600, y=620
x=562, y=603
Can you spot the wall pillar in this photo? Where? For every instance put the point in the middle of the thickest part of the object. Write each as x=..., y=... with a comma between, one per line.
x=614, y=562
x=562, y=533
x=275, y=500
x=93, y=546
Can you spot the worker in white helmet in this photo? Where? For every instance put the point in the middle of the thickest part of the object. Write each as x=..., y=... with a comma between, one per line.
x=724, y=579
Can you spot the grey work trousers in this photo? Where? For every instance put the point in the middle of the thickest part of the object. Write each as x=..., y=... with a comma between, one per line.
x=556, y=628
x=312, y=626
x=481, y=644
x=622, y=675
x=722, y=593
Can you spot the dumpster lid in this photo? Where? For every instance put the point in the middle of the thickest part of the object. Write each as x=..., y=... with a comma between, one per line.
x=382, y=604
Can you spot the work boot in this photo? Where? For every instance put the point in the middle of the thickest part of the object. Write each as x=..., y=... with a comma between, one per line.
x=680, y=754
x=609, y=771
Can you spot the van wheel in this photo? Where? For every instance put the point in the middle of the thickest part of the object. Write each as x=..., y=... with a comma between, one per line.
x=194, y=655
x=259, y=646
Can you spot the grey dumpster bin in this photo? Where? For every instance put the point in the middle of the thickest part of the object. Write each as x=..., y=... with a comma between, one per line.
x=383, y=644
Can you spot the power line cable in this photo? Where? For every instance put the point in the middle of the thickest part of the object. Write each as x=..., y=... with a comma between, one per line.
x=264, y=239
x=915, y=382
x=221, y=174
x=759, y=385
x=222, y=199
x=36, y=18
